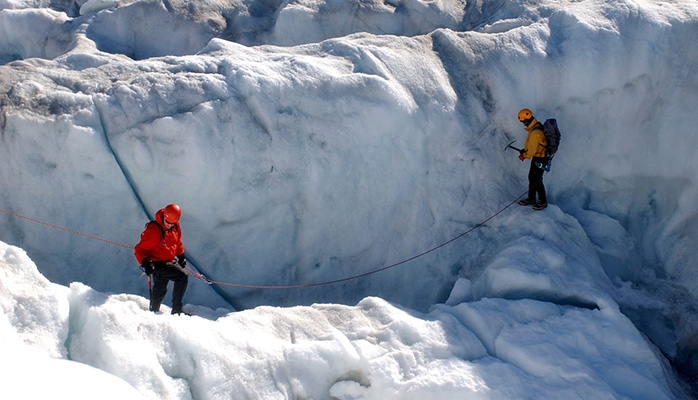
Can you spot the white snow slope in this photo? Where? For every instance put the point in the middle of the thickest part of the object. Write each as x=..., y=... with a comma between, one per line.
x=311, y=141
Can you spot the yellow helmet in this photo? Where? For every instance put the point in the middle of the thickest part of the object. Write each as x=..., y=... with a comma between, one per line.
x=525, y=114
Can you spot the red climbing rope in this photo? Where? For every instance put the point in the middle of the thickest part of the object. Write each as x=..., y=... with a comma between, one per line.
x=202, y=278
x=65, y=229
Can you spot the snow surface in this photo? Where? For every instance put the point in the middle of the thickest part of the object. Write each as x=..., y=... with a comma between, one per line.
x=311, y=141
x=488, y=349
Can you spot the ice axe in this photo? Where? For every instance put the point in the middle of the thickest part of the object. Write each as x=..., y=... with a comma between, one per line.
x=509, y=146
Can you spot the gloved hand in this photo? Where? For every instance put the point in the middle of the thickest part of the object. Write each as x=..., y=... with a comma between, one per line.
x=182, y=261
x=147, y=266
x=521, y=157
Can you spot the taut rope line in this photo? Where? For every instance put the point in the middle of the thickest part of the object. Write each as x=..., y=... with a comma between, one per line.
x=299, y=286
x=87, y=235
x=307, y=285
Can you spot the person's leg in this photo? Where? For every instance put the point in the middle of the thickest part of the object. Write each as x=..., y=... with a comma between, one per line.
x=180, y=287
x=537, y=171
x=542, y=198
x=534, y=180
x=159, y=291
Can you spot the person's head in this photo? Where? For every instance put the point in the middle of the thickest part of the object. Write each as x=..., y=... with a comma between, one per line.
x=171, y=214
x=526, y=117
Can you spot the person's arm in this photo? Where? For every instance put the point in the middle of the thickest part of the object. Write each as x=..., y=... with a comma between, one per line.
x=530, y=146
x=150, y=238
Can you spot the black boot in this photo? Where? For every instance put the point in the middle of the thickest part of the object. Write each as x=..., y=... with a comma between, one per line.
x=540, y=205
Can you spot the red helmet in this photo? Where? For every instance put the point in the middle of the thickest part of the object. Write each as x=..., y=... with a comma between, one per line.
x=171, y=213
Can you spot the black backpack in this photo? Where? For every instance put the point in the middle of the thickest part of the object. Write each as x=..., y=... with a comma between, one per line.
x=552, y=136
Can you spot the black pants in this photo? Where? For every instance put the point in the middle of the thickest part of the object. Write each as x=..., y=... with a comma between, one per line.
x=165, y=272
x=535, y=180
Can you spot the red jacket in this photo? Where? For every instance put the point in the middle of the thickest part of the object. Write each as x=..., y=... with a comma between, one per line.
x=159, y=244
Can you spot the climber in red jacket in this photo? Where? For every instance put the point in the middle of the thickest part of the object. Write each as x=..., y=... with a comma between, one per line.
x=160, y=252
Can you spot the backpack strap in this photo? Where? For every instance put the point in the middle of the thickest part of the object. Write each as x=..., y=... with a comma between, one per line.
x=162, y=231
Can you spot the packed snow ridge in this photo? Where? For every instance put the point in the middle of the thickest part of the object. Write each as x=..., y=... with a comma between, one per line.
x=312, y=141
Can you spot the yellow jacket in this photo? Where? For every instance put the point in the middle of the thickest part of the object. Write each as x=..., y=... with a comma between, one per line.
x=535, y=141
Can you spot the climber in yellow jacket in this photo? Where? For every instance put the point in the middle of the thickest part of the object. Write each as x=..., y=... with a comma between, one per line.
x=535, y=150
